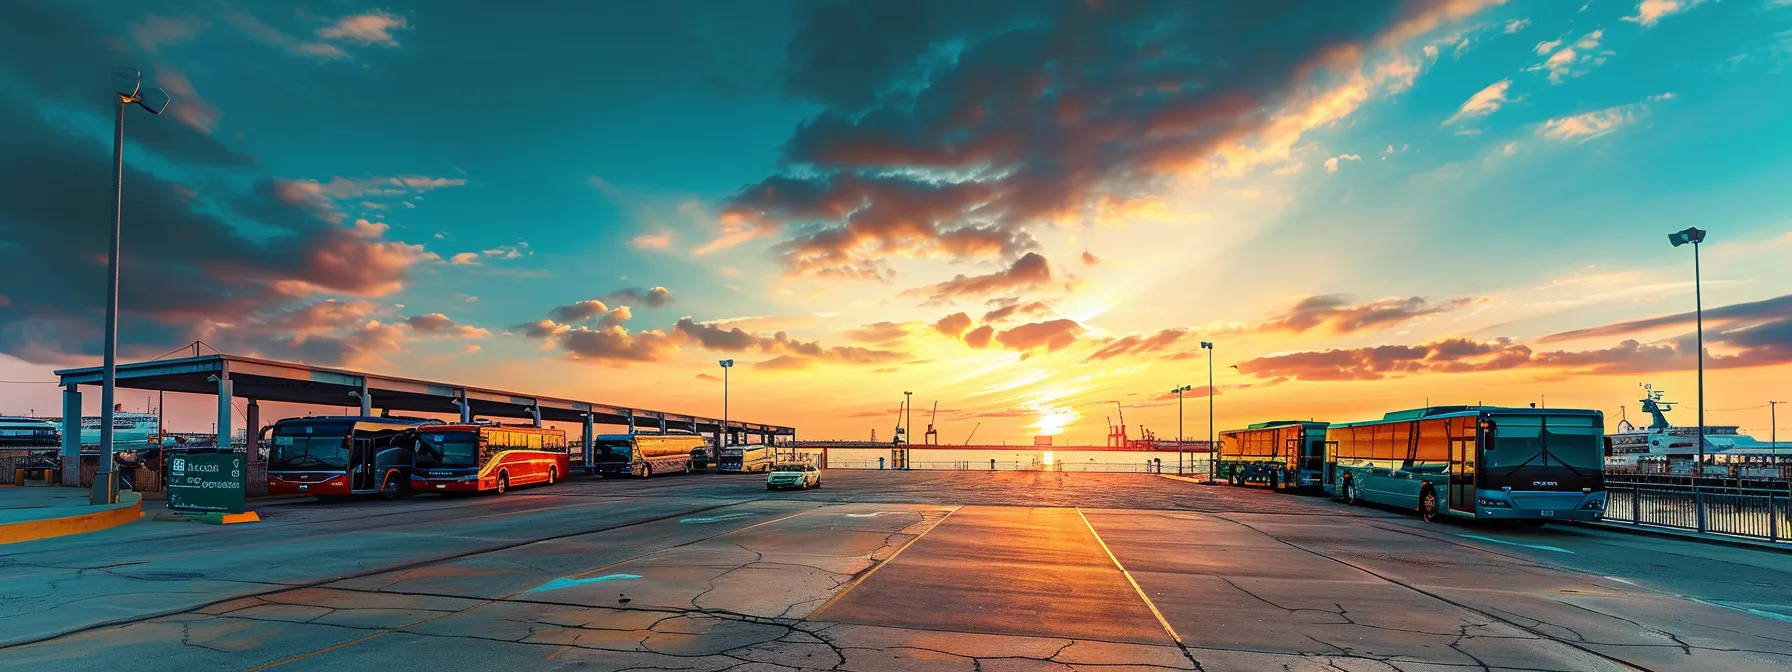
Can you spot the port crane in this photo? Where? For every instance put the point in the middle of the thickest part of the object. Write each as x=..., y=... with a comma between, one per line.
x=932, y=436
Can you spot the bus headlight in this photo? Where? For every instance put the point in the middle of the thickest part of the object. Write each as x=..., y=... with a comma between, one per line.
x=1493, y=503
x=1594, y=505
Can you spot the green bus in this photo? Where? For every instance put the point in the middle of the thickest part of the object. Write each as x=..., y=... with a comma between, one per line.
x=1528, y=464
x=1283, y=454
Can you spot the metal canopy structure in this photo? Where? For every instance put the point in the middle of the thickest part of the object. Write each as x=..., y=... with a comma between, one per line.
x=257, y=380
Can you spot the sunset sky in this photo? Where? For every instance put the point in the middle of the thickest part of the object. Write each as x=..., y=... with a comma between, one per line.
x=1026, y=210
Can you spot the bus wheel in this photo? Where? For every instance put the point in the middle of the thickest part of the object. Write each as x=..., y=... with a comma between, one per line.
x=1275, y=481
x=646, y=471
x=1350, y=492
x=503, y=483
x=389, y=488
x=553, y=475
x=1428, y=505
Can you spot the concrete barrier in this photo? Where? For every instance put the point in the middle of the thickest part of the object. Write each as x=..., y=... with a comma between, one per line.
x=75, y=520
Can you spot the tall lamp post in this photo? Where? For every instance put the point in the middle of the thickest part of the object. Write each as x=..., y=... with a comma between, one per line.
x=128, y=86
x=726, y=431
x=908, y=426
x=1181, y=447
x=1678, y=238
x=1695, y=236
x=1212, y=459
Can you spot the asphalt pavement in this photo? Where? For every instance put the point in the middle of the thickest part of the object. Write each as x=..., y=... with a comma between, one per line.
x=884, y=571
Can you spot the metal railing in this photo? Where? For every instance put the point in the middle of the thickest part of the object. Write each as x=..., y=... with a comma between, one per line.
x=1136, y=467
x=1756, y=509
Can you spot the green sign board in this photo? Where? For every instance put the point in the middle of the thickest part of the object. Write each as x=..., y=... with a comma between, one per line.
x=206, y=482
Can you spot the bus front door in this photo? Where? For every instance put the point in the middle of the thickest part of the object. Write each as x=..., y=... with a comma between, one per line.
x=1462, y=475
x=362, y=470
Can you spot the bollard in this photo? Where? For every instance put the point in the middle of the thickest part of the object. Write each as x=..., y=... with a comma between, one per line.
x=992, y=464
x=18, y=477
x=880, y=464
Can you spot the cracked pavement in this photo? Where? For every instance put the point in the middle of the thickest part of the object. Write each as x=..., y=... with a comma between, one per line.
x=885, y=571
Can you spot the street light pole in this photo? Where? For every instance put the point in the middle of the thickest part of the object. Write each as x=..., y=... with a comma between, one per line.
x=1212, y=459
x=1695, y=236
x=726, y=431
x=908, y=426
x=128, y=85
x=1181, y=438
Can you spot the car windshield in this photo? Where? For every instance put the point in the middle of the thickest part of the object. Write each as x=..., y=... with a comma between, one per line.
x=310, y=446
x=447, y=450
x=790, y=468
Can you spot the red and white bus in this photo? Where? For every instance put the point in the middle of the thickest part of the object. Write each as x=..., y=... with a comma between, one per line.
x=481, y=457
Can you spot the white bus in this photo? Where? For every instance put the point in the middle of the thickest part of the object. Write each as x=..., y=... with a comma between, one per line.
x=744, y=459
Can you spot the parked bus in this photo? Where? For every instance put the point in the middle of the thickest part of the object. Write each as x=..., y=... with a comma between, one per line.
x=643, y=455
x=745, y=458
x=479, y=457
x=1284, y=454
x=1473, y=462
x=341, y=455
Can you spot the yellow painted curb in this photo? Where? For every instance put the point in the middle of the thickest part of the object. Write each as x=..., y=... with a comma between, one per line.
x=28, y=530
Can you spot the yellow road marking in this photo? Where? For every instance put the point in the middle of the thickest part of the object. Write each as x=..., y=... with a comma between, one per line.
x=881, y=565
x=1135, y=584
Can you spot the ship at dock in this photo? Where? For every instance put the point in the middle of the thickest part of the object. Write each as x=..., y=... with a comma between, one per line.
x=1662, y=448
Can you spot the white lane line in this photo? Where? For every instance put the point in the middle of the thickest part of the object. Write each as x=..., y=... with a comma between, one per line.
x=1135, y=584
x=1539, y=547
x=880, y=513
x=1747, y=610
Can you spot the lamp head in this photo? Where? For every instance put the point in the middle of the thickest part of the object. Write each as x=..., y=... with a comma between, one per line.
x=126, y=82
x=726, y=363
x=154, y=100
x=1691, y=235
x=1206, y=345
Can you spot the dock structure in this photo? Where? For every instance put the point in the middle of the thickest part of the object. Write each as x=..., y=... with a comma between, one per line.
x=254, y=380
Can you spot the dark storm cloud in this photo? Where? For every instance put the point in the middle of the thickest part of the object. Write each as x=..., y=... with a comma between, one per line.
x=183, y=265
x=945, y=117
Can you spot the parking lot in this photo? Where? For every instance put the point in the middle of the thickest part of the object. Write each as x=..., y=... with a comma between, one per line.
x=884, y=571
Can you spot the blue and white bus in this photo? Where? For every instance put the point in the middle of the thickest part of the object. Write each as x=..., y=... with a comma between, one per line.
x=1284, y=454
x=1491, y=462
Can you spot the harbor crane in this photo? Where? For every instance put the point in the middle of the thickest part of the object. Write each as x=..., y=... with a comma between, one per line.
x=932, y=436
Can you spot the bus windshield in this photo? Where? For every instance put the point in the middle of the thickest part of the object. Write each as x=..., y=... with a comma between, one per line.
x=614, y=450
x=319, y=447
x=447, y=450
x=1540, y=446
